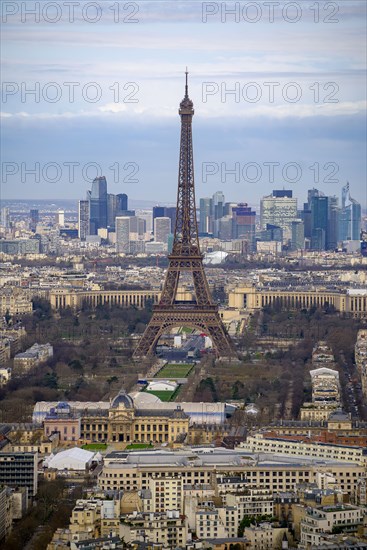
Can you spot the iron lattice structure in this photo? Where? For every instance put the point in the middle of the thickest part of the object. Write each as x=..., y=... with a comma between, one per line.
x=202, y=312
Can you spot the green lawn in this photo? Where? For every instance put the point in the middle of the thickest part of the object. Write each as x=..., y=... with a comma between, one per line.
x=165, y=395
x=133, y=446
x=172, y=370
x=187, y=330
x=95, y=447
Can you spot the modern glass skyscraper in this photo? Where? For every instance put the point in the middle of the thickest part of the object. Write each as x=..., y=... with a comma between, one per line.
x=206, y=222
x=98, y=205
x=84, y=220
x=319, y=222
x=218, y=205
x=351, y=217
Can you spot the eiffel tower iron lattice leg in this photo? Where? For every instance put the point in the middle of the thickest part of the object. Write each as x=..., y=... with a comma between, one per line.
x=201, y=313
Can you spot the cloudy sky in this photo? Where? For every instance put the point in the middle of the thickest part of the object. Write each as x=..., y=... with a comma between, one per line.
x=279, y=91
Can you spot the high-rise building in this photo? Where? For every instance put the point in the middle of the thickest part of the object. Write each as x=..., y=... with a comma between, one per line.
x=34, y=219
x=162, y=229
x=171, y=214
x=306, y=218
x=122, y=202
x=244, y=223
x=319, y=222
x=158, y=212
x=279, y=209
x=60, y=217
x=271, y=233
x=333, y=230
x=111, y=209
x=351, y=217
x=282, y=193
x=122, y=224
x=355, y=218
x=19, y=470
x=84, y=220
x=224, y=227
x=218, y=205
x=147, y=216
x=5, y=218
x=298, y=235
x=98, y=205
x=205, y=221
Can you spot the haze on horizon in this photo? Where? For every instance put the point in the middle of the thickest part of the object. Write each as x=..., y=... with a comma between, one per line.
x=145, y=61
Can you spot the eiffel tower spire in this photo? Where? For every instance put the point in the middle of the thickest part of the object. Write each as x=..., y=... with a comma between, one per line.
x=201, y=312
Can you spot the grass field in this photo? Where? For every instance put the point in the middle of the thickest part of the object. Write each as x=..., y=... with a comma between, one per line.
x=172, y=370
x=95, y=447
x=134, y=446
x=165, y=395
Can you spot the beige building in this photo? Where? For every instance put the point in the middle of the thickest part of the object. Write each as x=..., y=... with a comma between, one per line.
x=325, y=385
x=261, y=444
x=15, y=300
x=116, y=422
x=62, y=298
x=167, y=528
x=361, y=358
x=252, y=298
x=32, y=357
x=322, y=520
x=129, y=471
x=265, y=536
x=317, y=411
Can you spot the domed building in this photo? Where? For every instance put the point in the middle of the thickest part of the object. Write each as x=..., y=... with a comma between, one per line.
x=119, y=420
x=126, y=424
x=122, y=401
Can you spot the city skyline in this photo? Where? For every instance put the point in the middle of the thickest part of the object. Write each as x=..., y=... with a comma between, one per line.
x=326, y=126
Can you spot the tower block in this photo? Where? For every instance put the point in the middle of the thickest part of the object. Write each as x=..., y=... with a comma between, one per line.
x=201, y=313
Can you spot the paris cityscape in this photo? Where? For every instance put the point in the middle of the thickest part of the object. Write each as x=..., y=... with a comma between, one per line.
x=183, y=306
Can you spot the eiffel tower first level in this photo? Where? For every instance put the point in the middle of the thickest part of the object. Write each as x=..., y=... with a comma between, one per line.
x=201, y=312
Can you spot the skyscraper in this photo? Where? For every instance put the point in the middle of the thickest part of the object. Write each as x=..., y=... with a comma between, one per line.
x=122, y=202
x=162, y=229
x=206, y=222
x=319, y=222
x=60, y=217
x=34, y=219
x=98, y=205
x=351, y=217
x=244, y=223
x=5, y=218
x=279, y=209
x=84, y=220
x=158, y=212
x=333, y=229
x=218, y=205
x=111, y=209
x=122, y=234
x=298, y=235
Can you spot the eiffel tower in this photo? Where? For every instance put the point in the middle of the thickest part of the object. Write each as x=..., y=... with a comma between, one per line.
x=202, y=312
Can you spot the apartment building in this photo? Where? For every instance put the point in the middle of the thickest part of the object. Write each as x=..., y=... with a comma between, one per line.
x=259, y=443
x=32, y=357
x=129, y=471
x=361, y=358
x=170, y=529
x=265, y=536
x=19, y=469
x=322, y=520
